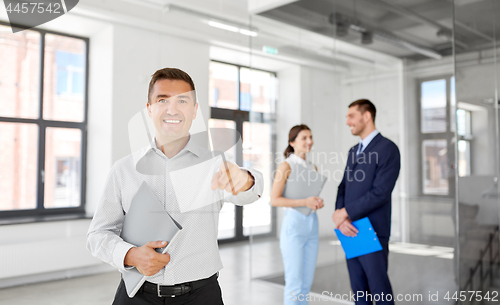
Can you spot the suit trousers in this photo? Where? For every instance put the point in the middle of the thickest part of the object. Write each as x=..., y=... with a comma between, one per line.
x=210, y=294
x=369, y=280
x=299, y=248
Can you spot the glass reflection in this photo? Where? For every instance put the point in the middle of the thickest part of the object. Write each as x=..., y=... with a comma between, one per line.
x=435, y=178
x=477, y=145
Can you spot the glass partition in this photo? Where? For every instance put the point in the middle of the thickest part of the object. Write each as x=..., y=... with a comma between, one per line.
x=438, y=104
x=414, y=96
x=477, y=145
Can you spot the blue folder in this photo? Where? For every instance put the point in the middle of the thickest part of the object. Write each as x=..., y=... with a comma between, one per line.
x=364, y=243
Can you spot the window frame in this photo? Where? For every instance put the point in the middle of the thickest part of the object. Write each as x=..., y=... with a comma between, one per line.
x=239, y=117
x=40, y=212
x=468, y=137
x=448, y=135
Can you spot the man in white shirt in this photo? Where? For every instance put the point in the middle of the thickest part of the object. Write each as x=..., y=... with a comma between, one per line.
x=178, y=171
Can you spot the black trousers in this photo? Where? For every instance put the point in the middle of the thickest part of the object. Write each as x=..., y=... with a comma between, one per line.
x=210, y=294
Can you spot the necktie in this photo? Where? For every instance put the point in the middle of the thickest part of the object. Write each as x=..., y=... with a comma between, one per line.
x=360, y=148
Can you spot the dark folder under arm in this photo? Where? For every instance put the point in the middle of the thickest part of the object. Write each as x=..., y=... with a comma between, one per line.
x=146, y=221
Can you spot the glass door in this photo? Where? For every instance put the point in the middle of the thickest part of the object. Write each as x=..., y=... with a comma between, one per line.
x=243, y=99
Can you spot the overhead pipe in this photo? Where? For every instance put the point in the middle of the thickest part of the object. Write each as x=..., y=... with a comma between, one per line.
x=384, y=36
x=443, y=31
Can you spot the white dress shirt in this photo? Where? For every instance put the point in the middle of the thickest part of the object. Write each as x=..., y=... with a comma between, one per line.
x=366, y=141
x=183, y=184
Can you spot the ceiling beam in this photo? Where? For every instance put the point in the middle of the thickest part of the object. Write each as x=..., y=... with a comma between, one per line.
x=428, y=17
x=412, y=15
x=434, y=10
x=259, y=6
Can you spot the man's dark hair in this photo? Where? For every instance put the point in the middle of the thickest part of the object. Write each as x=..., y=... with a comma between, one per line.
x=170, y=73
x=365, y=105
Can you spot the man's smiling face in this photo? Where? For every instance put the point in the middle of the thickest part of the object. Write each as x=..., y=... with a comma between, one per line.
x=172, y=107
x=356, y=120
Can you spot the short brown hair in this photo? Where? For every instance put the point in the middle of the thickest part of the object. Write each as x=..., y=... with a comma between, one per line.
x=365, y=105
x=170, y=73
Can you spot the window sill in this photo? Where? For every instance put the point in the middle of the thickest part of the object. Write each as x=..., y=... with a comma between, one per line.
x=44, y=218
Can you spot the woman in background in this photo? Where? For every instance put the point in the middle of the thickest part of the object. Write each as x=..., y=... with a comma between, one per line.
x=299, y=233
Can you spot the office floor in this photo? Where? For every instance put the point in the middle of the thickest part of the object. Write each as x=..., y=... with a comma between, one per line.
x=416, y=272
x=260, y=261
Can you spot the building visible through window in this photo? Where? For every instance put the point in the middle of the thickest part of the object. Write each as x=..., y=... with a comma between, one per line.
x=70, y=73
x=42, y=136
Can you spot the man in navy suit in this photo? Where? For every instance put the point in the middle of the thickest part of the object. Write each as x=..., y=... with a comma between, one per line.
x=365, y=191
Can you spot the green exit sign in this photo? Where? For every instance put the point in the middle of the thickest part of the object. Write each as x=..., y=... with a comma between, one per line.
x=270, y=50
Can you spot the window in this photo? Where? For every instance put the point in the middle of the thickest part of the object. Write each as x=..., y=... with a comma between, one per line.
x=433, y=103
x=437, y=119
x=43, y=101
x=69, y=73
x=244, y=99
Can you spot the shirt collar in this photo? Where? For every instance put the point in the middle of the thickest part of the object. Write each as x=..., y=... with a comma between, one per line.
x=366, y=141
x=190, y=146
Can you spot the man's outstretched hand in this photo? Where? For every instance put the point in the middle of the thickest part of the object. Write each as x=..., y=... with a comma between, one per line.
x=146, y=259
x=232, y=179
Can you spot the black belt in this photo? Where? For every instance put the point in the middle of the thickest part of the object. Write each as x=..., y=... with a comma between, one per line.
x=178, y=289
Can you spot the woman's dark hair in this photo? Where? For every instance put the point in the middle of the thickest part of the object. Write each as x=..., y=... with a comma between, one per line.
x=292, y=135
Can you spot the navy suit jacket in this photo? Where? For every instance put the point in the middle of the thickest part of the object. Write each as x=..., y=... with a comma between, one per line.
x=369, y=178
